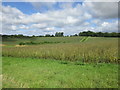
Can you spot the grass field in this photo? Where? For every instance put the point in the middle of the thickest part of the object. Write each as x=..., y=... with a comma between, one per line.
x=41, y=73
x=74, y=62
x=14, y=41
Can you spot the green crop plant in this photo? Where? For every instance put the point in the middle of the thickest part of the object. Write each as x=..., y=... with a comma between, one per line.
x=97, y=51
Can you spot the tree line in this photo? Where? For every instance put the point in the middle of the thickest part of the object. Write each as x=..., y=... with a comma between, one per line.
x=99, y=34
x=61, y=34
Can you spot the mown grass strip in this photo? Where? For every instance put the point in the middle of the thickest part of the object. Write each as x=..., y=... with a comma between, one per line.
x=84, y=39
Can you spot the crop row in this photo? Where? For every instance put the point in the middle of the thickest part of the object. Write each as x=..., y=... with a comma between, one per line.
x=102, y=51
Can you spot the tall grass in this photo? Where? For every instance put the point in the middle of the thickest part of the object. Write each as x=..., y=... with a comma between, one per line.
x=89, y=52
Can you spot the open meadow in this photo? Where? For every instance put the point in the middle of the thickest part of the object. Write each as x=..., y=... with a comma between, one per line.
x=60, y=62
x=59, y=44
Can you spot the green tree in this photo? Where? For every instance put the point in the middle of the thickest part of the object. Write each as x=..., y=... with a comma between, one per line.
x=59, y=34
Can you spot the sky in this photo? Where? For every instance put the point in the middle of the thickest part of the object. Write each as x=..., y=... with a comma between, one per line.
x=40, y=18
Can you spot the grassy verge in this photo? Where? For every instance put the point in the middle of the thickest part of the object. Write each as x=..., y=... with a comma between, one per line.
x=42, y=73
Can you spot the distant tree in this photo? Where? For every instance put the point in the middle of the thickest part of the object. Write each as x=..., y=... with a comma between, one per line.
x=113, y=34
x=33, y=35
x=75, y=35
x=40, y=36
x=59, y=34
x=99, y=34
x=52, y=35
x=47, y=35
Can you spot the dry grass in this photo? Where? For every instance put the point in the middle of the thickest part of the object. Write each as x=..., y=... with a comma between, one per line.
x=2, y=45
x=20, y=45
x=13, y=82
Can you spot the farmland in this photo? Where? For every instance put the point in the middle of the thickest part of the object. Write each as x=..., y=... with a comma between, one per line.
x=92, y=50
x=60, y=62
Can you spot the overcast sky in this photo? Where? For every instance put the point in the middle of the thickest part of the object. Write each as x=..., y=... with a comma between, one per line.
x=40, y=18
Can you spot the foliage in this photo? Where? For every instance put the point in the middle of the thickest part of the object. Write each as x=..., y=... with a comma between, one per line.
x=59, y=34
x=36, y=43
x=48, y=35
x=99, y=34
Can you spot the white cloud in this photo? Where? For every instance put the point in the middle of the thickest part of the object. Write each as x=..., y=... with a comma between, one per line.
x=102, y=9
x=52, y=28
x=13, y=27
x=104, y=24
x=39, y=26
x=69, y=20
x=24, y=27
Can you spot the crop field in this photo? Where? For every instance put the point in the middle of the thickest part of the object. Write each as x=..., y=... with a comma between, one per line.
x=60, y=62
x=98, y=50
